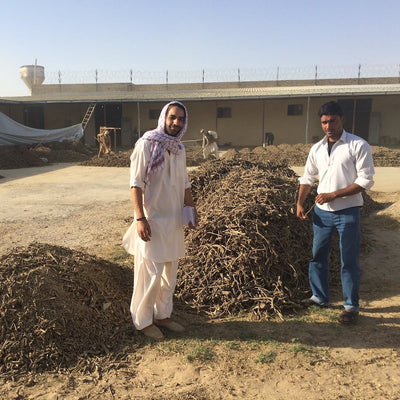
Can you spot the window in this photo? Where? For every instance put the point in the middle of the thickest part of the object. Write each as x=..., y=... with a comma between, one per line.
x=154, y=113
x=295, y=109
x=224, y=112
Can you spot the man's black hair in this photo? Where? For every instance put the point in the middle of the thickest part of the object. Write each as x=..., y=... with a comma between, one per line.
x=330, y=108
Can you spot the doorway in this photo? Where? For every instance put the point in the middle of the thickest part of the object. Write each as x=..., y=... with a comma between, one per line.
x=34, y=117
x=357, y=116
x=109, y=114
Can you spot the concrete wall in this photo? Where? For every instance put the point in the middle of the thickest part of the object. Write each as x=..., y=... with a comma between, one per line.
x=202, y=115
x=249, y=119
x=286, y=129
x=14, y=111
x=62, y=115
x=388, y=108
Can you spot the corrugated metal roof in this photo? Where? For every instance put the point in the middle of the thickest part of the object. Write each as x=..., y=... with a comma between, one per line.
x=213, y=94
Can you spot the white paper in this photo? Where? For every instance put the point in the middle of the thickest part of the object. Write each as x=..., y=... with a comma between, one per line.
x=188, y=215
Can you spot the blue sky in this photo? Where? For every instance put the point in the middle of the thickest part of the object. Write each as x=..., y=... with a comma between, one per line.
x=150, y=35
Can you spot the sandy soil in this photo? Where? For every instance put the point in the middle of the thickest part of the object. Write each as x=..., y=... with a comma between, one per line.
x=308, y=355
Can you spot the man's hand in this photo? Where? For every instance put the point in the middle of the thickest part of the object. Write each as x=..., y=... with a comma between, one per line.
x=350, y=190
x=304, y=190
x=188, y=201
x=143, y=230
x=300, y=212
x=325, y=198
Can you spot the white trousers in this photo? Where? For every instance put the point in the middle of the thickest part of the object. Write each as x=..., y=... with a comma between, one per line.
x=153, y=290
x=211, y=148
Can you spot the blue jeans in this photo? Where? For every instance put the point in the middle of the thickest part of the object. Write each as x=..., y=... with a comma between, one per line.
x=347, y=223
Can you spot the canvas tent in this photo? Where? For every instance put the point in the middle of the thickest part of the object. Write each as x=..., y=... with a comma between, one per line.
x=12, y=133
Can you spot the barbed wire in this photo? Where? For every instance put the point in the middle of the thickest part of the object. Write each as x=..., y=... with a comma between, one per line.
x=278, y=73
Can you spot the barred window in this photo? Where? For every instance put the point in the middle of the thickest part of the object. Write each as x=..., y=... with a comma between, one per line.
x=295, y=109
x=224, y=112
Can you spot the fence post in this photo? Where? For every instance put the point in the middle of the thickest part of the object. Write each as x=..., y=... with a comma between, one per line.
x=316, y=76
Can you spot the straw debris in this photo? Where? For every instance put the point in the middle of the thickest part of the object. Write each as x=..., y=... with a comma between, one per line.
x=59, y=308
x=250, y=253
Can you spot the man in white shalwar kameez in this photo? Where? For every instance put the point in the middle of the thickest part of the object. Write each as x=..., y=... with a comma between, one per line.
x=210, y=144
x=160, y=188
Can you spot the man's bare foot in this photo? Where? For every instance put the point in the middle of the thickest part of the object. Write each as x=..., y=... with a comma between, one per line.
x=170, y=325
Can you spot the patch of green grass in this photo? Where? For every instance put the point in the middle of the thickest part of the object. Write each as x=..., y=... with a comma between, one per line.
x=297, y=347
x=327, y=313
x=200, y=353
x=118, y=254
x=232, y=345
x=272, y=343
x=267, y=357
x=300, y=348
x=254, y=344
x=315, y=313
x=312, y=353
x=171, y=346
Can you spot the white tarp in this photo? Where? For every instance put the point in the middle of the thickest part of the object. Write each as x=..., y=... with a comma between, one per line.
x=11, y=133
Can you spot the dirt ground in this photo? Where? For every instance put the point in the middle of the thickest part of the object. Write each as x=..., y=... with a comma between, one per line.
x=306, y=355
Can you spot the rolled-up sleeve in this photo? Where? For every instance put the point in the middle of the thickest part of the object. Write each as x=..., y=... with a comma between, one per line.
x=139, y=160
x=365, y=167
x=310, y=171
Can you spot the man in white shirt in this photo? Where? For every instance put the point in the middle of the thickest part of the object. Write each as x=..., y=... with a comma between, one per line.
x=210, y=144
x=343, y=162
x=160, y=188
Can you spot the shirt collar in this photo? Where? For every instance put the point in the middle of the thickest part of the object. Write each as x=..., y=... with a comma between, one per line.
x=343, y=137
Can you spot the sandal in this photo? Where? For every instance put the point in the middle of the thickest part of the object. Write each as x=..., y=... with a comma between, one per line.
x=348, y=317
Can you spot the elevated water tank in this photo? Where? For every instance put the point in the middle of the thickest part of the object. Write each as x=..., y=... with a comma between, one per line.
x=32, y=75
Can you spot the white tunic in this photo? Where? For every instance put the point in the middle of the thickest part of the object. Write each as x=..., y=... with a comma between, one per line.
x=162, y=203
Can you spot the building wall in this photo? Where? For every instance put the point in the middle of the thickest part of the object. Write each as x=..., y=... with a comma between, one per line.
x=286, y=129
x=14, y=111
x=202, y=115
x=388, y=108
x=129, y=130
x=63, y=115
x=246, y=126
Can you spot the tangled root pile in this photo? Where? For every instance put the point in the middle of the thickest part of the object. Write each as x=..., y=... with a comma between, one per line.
x=58, y=306
x=251, y=252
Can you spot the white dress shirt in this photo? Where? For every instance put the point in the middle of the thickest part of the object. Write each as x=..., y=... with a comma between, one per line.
x=350, y=162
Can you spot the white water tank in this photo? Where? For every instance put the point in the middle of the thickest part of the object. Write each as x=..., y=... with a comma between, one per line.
x=32, y=75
